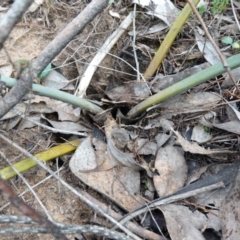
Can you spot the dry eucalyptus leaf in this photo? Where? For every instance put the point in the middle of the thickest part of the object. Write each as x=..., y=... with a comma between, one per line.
x=233, y=126
x=162, y=138
x=56, y=80
x=230, y=212
x=84, y=158
x=124, y=158
x=161, y=82
x=172, y=170
x=213, y=198
x=143, y=146
x=67, y=126
x=207, y=48
x=228, y=81
x=120, y=184
x=103, y=160
x=21, y=107
x=196, y=174
x=65, y=111
x=113, y=146
x=146, y=147
x=182, y=223
x=194, y=102
x=27, y=124
x=164, y=9
x=200, y=135
x=195, y=148
x=133, y=91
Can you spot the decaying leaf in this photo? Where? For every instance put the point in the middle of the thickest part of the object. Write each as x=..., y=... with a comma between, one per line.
x=182, y=223
x=161, y=82
x=172, y=170
x=143, y=147
x=230, y=212
x=193, y=102
x=133, y=91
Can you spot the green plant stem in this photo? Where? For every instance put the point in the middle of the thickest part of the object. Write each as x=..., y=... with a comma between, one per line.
x=58, y=95
x=184, y=85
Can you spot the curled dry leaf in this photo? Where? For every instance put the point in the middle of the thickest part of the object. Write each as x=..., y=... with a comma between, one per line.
x=117, y=139
x=233, y=126
x=172, y=170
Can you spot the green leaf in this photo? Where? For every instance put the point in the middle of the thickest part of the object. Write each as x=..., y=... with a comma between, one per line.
x=206, y=129
x=202, y=9
x=227, y=40
x=46, y=71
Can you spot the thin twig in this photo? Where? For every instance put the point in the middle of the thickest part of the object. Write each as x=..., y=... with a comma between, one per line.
x=223, y=59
